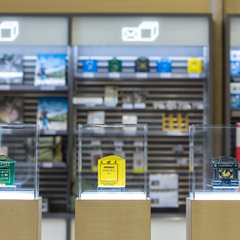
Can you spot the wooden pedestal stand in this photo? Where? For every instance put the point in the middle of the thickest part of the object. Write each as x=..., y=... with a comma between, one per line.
x=20, y=219
x=113, y=219
x=213, y=219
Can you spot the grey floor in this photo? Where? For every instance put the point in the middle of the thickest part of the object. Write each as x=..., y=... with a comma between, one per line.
x=168, y=227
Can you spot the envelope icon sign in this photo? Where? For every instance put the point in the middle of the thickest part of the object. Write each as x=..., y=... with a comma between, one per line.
x=130, y=34
x=147, y=31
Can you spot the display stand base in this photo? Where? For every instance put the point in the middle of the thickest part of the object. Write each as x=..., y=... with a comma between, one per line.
x=113, y=219
x=213, y=219
x=20, y=219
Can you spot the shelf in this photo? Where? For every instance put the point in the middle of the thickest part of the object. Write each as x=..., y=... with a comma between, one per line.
x=140, y=75
x=53, y=133
x=31, y=88
x=119, y=108
x=52, y=165
x=153, y=133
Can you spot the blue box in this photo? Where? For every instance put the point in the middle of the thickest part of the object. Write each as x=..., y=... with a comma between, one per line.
x=89, y=65
x=235, y=101
x=164, y=65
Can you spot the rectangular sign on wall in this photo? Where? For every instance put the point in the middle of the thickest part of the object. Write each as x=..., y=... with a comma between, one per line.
x=235, y=32
x=135, y=30
x=34, y=31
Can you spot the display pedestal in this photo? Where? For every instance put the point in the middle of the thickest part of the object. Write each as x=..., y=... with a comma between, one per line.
x=113, y=219
x=213, y=219
x=20, y=219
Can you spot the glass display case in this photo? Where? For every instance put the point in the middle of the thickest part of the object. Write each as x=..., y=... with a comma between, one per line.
x=19, y=161
x=214, y=168
x=112, y=161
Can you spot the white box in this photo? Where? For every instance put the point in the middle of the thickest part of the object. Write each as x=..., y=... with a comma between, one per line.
x=164, y=199
x=163, y=181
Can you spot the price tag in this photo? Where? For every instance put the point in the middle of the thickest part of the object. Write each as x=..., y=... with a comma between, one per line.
x=47, y=88
x=96, y=143
x=141, y=75
x=114, y=75
x=118, y=144
x=138, y=144
x=140, y=105
x=110, y=104
x=166, y=75
x=194, y=75
x=5, y=87
x=6, y=131
x=172, y=133
x=49, y=132
x=47, y=164
x=88, y=75
x=127, y=106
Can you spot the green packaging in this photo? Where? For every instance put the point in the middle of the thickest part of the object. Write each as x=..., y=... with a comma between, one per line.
x=7, y=171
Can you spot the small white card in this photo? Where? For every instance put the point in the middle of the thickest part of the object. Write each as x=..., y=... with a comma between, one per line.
x=127, y=106
x=140, y=105
x=194, y=75
x=48, y=88
x=5, y=87
x=165, y=75
x=88, y=75
x=114, y=75
x=141, y=75
x=138, y=162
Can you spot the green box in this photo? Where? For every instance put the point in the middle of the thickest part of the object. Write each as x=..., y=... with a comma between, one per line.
x=7, y=171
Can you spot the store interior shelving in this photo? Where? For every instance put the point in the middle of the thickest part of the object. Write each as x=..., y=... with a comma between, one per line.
x=58, y=180
x=178, y=86
x=232, y=83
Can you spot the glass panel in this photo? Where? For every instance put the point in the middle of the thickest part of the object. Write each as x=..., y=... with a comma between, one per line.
x=112, y=161
x=18, y=162
x=213, y=165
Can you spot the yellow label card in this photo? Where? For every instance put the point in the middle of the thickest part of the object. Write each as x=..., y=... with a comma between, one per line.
x=194, y=65
x=111, y=172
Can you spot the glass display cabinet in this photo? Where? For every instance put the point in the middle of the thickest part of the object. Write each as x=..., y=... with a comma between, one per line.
x=20, y=204
x=214, y=198
x=112, y=182
x=18, y=161
x=213, y=171
x=112, y=161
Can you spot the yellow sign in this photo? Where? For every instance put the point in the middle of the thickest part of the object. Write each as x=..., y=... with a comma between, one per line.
x=111, y=172
x=194, y=65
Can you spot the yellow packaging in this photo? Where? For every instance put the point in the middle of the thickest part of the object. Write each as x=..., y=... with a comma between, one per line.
x=194, y=65
x=111, y=172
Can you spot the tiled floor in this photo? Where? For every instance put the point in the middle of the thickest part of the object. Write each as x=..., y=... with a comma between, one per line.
x=168, y=228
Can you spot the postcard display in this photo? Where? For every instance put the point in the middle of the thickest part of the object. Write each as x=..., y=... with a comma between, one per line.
x=214, y=201
x=106, y=195
x=20, y=204
x=34, y=89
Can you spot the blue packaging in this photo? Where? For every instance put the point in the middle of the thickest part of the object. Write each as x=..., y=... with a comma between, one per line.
x=89, y=65
x=164, y=65
x=235, y=68
x=235, y=101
